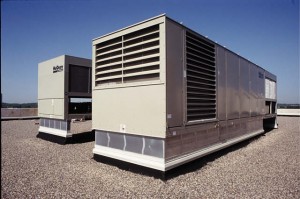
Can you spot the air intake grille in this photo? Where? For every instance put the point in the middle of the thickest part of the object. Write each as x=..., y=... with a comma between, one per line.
x=128, y=58
x=200, y=78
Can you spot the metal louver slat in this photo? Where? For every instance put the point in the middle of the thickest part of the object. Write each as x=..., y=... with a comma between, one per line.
x=110, y=58
x=106, y=78
x=141, y=65
x=200, y=84
x=199, y=48
x=142, y=50
x=200, y=42
x=201, y=73
x=200, y=93
x=140, y=73
x=200, y=79
x=142, y=44
x=108, y=71
x=201, y=66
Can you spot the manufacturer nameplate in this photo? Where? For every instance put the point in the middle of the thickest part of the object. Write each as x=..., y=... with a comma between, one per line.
x=57, y=69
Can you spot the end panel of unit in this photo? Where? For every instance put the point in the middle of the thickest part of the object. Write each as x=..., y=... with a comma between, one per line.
x=129, y=74
x=51, y=88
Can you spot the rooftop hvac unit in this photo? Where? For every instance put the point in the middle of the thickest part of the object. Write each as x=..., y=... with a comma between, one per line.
x=164, y=95
x=64, y=93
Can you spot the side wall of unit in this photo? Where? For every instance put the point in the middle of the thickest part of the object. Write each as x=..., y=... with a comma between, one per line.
x=78, y=80
x=240, y=86
x=219, y=96
x=78, y=77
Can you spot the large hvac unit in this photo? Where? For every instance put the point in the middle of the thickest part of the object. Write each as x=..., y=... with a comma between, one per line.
x=164, y=95
x=64, y=93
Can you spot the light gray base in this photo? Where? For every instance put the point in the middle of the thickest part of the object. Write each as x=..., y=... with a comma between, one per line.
x=55, y=127
x=182, y=144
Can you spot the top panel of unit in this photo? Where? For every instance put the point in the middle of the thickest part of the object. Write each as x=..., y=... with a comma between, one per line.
x=67, y=57
x=158, y=20
x=152, y=21
x=71, y=60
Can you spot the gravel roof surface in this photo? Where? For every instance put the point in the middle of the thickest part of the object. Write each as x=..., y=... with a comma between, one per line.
x=265, y=167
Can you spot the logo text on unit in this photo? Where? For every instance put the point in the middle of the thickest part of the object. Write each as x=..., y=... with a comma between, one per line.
x=58, y=68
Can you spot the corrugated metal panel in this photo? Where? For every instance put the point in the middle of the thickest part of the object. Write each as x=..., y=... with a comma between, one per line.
x=221, y=65
x=261, y=91
x=200, y=78
x=244, y=89
x=232, y=86
x=253, y=90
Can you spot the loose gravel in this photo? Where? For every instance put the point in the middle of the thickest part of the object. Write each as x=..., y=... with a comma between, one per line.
x=265, y=167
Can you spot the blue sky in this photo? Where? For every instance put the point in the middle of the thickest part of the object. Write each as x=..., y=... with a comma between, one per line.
x=265, y=32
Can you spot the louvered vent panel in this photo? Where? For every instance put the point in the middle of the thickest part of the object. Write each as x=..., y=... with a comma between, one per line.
x=133, y=57
x=109, y=61
x=201, y=78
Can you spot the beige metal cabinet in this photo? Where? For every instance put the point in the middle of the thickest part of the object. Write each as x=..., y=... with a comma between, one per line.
x=164, y=95
x=61, y=81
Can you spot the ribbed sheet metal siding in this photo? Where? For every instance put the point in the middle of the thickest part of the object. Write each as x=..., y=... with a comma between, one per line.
x=200, y=78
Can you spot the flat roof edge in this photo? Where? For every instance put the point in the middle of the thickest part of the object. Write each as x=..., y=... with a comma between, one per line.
x=64, y=55
x=71, y=56
x=127, y=27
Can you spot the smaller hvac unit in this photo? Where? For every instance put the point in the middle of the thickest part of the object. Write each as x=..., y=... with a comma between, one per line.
x=64, y=93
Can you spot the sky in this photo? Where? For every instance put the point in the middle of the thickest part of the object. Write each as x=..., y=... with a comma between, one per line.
x=265, y=32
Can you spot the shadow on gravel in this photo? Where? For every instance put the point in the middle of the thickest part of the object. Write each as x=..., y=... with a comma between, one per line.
x=84, y=137
x=79, y=138
x=208, y=159
x=178, y=171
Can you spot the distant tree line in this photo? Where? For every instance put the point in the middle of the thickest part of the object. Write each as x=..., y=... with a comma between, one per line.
x=16, y=105
x=289, y=106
